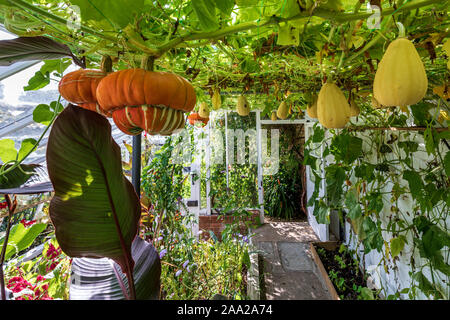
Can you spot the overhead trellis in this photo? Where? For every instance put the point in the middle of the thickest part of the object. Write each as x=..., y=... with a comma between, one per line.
x=270, y=46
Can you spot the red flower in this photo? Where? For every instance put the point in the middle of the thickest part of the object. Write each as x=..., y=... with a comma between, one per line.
x=3, y=205
x=27, y=223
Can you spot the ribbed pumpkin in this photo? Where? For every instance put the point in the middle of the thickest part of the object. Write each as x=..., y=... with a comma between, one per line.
x=145, y=100
x=333, y=110
x=243, y=107
x=80, y=87
x=400, y=79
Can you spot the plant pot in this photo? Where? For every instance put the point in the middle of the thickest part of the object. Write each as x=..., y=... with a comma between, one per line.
x=327, y=245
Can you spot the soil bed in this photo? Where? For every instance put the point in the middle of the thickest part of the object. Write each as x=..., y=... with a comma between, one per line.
x=343, y=272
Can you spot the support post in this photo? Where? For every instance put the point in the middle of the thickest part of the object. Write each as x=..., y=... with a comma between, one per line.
x=136, y=164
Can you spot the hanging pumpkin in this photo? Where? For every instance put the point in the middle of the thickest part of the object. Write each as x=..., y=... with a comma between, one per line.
x=333, y=110
x=195, y=118
x=80, y=88
x=146, y=100
x=243, y=107
x=400, y=79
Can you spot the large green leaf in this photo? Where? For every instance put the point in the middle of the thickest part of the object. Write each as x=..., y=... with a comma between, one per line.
x=33, y=48
x=95, y=279
x=206, y=14
x=21, y=238
x=118, y=13
x=95, y=209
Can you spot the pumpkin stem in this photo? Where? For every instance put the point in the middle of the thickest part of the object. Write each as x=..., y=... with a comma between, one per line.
x=148, y=63
x=401, y=29
x=106, y=64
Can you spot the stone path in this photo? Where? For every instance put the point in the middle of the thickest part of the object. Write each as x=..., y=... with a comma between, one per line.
x=289, y=270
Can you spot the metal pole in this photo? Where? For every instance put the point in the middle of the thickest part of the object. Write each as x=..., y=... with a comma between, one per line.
x=136, y=164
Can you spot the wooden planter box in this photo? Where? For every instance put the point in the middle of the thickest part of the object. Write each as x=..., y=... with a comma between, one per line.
x=216, y=223
x=327, y=245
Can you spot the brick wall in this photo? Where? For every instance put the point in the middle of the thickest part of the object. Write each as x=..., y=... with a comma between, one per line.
x=216, y=223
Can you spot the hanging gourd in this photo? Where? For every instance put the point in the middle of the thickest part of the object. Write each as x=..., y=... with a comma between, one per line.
x=80, y=87
x=375, y=104
x=333, y=110
x=400, y=79
x=311, y=110
x=273, y=117
x=282, y=111
x=203, y=110
x=354, y=109
x=146, y=100
x=243, y=107
x=216, y=100
x=195, y=118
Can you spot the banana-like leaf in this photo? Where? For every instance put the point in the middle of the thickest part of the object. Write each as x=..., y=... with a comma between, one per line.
x=34, y=48
x=95, y=279
x=18, y=176
x=95, y=209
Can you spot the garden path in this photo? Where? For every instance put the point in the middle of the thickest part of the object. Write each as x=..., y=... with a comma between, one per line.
x=288, y=267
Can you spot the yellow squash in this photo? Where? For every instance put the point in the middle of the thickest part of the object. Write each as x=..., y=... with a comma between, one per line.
x=216, y=100
x=203, y=110
x=273, y=117
x=243, y=107
x=283, y=111
x=333, y=110
x=354, y=109
x=312, y=110
x=400, y=79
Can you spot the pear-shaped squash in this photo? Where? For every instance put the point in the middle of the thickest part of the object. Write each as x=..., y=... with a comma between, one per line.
x=243, y=107
x=354, y=109
x=203, y=110
x=400, y=79
x=216, y=100
x=333, y=110
x=273, y=117
x=312, y=110
x=282, y=111
x=375, y=104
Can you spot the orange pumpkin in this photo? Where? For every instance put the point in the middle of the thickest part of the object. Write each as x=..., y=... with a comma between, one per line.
x=195, y=118
x=146, y=100
x=80, y=87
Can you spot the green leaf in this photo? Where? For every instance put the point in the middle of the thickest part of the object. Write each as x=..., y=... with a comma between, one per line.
x=416, y=185
x=354, y=209
x=7, y=150
x=26, y=146
x=288, y=35
x=346, y=148
x=408, y=146
x=116, y=14
x=397, y=245
x=321, y=212
x=447, y=163
x=426, y=286
x=20, y=238
x=94, y=204
x=335, y=177
x=225, y=6
x=42, y=114
x=206, y=14
x=367, y=294
x=58, y=65
x=38, y=81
